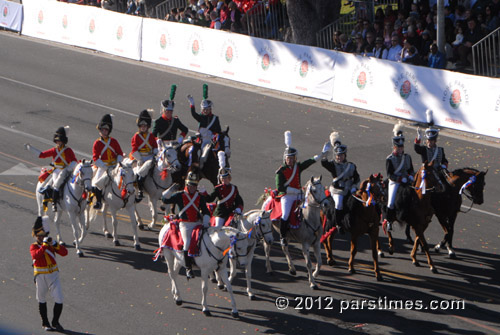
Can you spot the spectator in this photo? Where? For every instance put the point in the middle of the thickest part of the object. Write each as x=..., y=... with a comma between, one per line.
x=437, y=60
x=337, y=45
x=394, y=52
x=172, y=16
x=378, y=28
x=358, y=29
x=379, y=51
x=459, y=37
x=215, y=24
x=472, y=35
x=390, y=16
x=359, y=45
x=425, y=45
x=235, y=17
x=345, y=44
x=368, y=51
x=449, y=14
x=387, y=34
x=400, y=19
x=182, y=16
x=366, y=27
x=405, y=50
x=370, y=40
x=413, y=57
x=491, y=21
x=379, y=16
x=414, y=38
x=414, y=11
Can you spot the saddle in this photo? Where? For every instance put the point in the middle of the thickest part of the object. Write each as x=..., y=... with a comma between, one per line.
x=173, y=239
x=295, y=217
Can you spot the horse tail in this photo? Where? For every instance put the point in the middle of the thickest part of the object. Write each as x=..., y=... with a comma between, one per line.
x=92, y=214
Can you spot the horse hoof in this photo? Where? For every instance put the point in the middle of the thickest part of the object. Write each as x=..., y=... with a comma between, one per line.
x=252, y=297
x=391, y=251
x=409, y=240
x=381, y=255
x=434, y=270
x=80, y=254
x=437, y=248
x=151, y=226
x=63, y=244
x=331, y=262
x=235, y=315
x=417, y=264
x=207, y=312
x=220, y=286
x=352, y=271
x=178, y=302
x=107, y=235
x=270, y=273
x=137, y=247
x=141, y=227
x=117, y=243
x=379, y=278
x=314, y=287
x=452, y=255
x=292, y=272
x=213, y=280
x=74, y=243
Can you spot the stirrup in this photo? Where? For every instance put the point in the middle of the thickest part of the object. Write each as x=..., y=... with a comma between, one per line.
x=283, y=242
x=54, y=207
x=189, y=274
x=97, y=205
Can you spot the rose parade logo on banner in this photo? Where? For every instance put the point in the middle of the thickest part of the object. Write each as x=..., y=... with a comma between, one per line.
x=195, y=44
x=119, y=33
x=165, y=40
x=229, y=51
x=91, y=26
x=5, y=10
x=40, y=16
x=456, y=95
x=266, y=58
x=304, y=65
x=406, y=85
x=362, y=75
x=65, y=21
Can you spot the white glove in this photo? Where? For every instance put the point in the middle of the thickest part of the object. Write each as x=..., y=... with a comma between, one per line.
x=190, y=99
x=419, y=133
x=202, y=189
x=100, y=164
x=180, y=139
x=404, y=180
x=168, y=192
x=326, y=147
x=411, y=178
x=353, y=190
x=35, y=151
x=238, y=211
x=317, y=157
x=206, y=221
x=119, y=159
x=443, y=166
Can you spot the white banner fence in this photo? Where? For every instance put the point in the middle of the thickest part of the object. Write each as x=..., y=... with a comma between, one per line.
x=11, y=15
x=459, y=101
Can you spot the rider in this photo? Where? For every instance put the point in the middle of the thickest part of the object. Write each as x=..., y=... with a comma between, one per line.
x=288, y=182
x=208, y=123
x=63, y=160
x=229, y=198
x=344, y=173
x=431, y=152
x=144, y=148
x=399, y=169
x=106, y=153
x=166, y=126
x=192, y=208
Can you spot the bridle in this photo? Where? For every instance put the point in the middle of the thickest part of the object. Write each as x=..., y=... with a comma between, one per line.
x=318, y=202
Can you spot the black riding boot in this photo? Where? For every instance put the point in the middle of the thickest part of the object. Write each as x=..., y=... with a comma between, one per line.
x=42, y=307
x=98, y=195
x=189, y=265
x=55, y=199
x=391, y=217
x=339, y=215
x=55, y=320
x=283, y=231
x=140, y=186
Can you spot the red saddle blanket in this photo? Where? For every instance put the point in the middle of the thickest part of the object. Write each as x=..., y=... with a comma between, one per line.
x=275, y=206
x=173, y=239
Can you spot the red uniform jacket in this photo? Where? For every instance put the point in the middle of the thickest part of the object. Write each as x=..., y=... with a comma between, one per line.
x=287, y=172
x=145, y=148
x=44, y=257
x=106, y=153
x=61, y=157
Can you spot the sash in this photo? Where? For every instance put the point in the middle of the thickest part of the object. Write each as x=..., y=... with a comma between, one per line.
x=168, y=129
x=190, y=203
x=212, y=122
x=291, y=177
x=400, y=165
x=145, y=142
x=58, y=155
x=106, y=147
x=343, y=172
x=435, y=155
x=227, y=197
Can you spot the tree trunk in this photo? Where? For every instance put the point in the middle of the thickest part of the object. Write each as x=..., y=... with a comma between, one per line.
x=307, y=17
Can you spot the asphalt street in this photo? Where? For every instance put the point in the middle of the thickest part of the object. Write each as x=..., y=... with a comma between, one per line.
x=117, y=290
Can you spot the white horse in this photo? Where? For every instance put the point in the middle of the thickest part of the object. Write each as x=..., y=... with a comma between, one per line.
x=73, y=202
x=257, y=225
x=309, y=232
x=158, y=174
x=118, y=193
x=214, y=247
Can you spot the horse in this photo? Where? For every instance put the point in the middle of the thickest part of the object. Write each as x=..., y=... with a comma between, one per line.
x=467, y=181
x=413, y=206
x=158, y=177
x=363, y=212
x=72, y=201
x=257, y=225
x=117, y=194
x=189, y=154
x=309, y=231
x=214, y=246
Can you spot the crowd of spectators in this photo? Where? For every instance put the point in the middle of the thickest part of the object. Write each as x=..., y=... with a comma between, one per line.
x=409, y=35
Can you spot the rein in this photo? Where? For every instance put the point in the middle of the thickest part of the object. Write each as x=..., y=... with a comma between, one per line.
x=120, y=184
x=464, y=191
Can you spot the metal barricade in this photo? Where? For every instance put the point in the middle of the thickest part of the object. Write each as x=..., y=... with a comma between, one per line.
x=267, y=21
x=485, y=55
x=162, y=9
x=324, y=37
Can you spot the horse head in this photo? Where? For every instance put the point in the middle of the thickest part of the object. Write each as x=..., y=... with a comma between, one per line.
x=222, y=142
x=315, y=194
x=83, y=174
x=371, y=190
x=426, y=179
x=124, y=176
x=262, y=226
x=169, y=156
x=238, y=244
x=472, y=183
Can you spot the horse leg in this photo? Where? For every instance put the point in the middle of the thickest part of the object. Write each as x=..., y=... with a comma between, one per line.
x=317, y=255
x=104, y=220
x=425, y=246
x=173, y=269
x=248, y=273
x=443, y=223
x=72, y=219
x=114, y=223
x=154, y=211
x=354, y=251
x=133, y=223
x=39, y=200
x=375, y=251
x=408, y=234
x=57, y=218
x=391, y=243
x=414, y=250
x=223, y=275
x=138, y=219
x=83, y=226
x=267, y=251
x=204, y=290
x=328, y=244
x=380, y=253
x=307, y=258
x=451, y=230
x=291, y=267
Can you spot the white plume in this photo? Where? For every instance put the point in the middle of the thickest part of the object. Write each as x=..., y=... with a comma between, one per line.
x=66, y=129
x=334, y=137
x=222, y=159
x=288, y=138
x=429, y=116
x=398, y=127
x=45, y=223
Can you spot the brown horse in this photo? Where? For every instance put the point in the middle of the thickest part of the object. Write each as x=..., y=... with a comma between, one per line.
x=466, y=181
x=363, y=214
x=413, y=207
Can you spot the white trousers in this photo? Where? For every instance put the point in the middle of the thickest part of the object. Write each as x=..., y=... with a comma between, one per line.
x=100, y=178
x=219, y=222
x=58, y=178
x=186, y=230
x=49, y=283
x=287, y=202
x=393, y=188
x=339, y=201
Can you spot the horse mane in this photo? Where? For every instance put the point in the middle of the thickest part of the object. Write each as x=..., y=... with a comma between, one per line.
x=458, y=171
x=262, y=198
